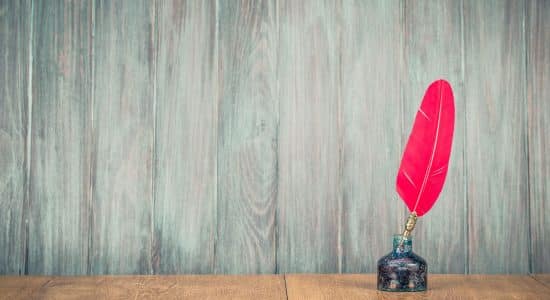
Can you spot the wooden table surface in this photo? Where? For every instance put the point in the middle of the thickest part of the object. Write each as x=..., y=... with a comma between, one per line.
x=291, y=286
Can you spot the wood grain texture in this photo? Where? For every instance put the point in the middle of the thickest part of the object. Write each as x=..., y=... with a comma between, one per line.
x=144, y=287
x=20, y=287
x=309, y=197
x=496, y=157
x=264, y=136
x=123, y=138
x=247, y=141
x=372, y=86
x=185, y=137
x=304, y=286
x=14, y=82
x=60, y=167
x=538, y=95
x=542, y=278
x=433, y=37
x=355, y=286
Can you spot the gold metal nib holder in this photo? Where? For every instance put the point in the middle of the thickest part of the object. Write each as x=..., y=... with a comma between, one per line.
x=409, y=226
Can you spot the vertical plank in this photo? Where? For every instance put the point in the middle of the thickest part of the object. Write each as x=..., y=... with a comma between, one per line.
x=538, y=95
x=247, y=155
x=185, y=138
x=60, y=167
x=14, y=74
x=123, y=137
x=309, y=197
x=495, y=136
x=371, y=68
x=434, y=50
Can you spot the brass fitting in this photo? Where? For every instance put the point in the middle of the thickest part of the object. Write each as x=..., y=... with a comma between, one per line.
x=409, y=226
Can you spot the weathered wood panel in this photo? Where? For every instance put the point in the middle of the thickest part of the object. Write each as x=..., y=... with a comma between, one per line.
x=538, y=96
x=14, y=84
x=433, y=37
x=123, y=137
x=60, y=167
x=264, y=136
x=309, y=196
x=247, y=155
x=185, y=137
x=496, y=158
x=372, y=88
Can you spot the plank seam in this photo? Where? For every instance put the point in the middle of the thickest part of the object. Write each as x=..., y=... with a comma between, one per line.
x=286, y=287
x=404, y=57
x=26, y=203
x=527, y=142
x=37, y=291
x=216, y=231
x=154, y=42
x=341, y=150
x=464, y=165
x=277, y=157
x=91, y=147
x=538, y=280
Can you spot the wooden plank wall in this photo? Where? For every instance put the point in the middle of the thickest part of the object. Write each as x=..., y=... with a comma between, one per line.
x=122, y=137
x=494, y=72
x=434, y=48
x=186, y=129
x=309, y=197
x=59, y=182
x=155, y=137
x=15, y=35
x=538, y=117
x=247, y=140
x=372, y=103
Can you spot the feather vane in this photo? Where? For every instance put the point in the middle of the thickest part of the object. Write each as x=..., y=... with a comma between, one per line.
x=425, y=161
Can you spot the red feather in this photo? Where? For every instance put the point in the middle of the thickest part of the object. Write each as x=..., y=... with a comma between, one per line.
x=425, y=161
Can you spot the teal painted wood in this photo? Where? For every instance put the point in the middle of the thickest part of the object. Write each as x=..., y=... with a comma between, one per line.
x=538, y=96
x=255, y=137
x=185, y=137
x=59, y=211
x=372, y=90
x=14, y=89
x=309, y=196
x=496, y=154
x=435, y=50
x=123, y=116
x=247, y=140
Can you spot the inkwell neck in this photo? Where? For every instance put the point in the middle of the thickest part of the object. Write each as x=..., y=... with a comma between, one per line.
x=401, y=245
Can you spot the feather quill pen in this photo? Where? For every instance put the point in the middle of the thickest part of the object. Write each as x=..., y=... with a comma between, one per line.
x=425, y=161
